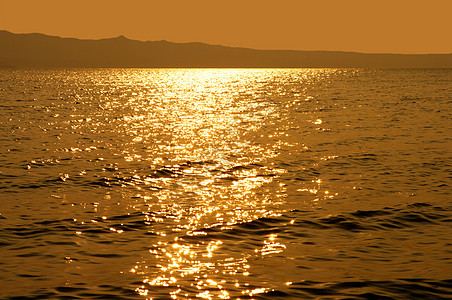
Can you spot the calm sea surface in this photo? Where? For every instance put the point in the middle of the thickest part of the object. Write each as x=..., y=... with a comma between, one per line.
x=225, y=184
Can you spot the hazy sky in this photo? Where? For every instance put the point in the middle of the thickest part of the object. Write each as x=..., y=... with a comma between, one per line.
x=398, y=26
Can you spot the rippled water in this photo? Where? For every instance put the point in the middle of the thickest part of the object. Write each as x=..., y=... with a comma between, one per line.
x=221, y=183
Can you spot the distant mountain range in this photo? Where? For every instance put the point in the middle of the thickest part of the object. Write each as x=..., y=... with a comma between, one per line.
x=39, y=50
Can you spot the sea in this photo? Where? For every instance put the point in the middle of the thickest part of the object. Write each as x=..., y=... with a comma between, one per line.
x=225, y=183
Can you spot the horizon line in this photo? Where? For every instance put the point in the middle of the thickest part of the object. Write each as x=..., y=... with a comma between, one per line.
x=220, y=45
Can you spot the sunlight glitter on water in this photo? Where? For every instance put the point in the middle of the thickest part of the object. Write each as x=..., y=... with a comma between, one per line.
x=205, y=117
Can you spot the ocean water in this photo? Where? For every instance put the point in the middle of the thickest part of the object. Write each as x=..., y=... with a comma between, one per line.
x=225, y=184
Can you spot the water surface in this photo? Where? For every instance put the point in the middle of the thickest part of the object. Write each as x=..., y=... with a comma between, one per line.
x=225, y=183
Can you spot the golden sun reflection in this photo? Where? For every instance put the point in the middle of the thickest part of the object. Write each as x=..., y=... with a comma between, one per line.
x=207, y=136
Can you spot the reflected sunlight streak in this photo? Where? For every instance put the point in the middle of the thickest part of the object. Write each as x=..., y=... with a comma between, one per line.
x=197, y=131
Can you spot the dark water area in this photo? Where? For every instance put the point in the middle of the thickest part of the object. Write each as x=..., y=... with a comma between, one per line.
x=225, y=184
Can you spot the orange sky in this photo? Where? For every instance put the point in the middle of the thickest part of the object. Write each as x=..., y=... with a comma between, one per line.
x=396, y=26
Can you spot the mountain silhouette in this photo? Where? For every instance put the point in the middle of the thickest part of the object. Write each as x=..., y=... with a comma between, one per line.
x=39, y=50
